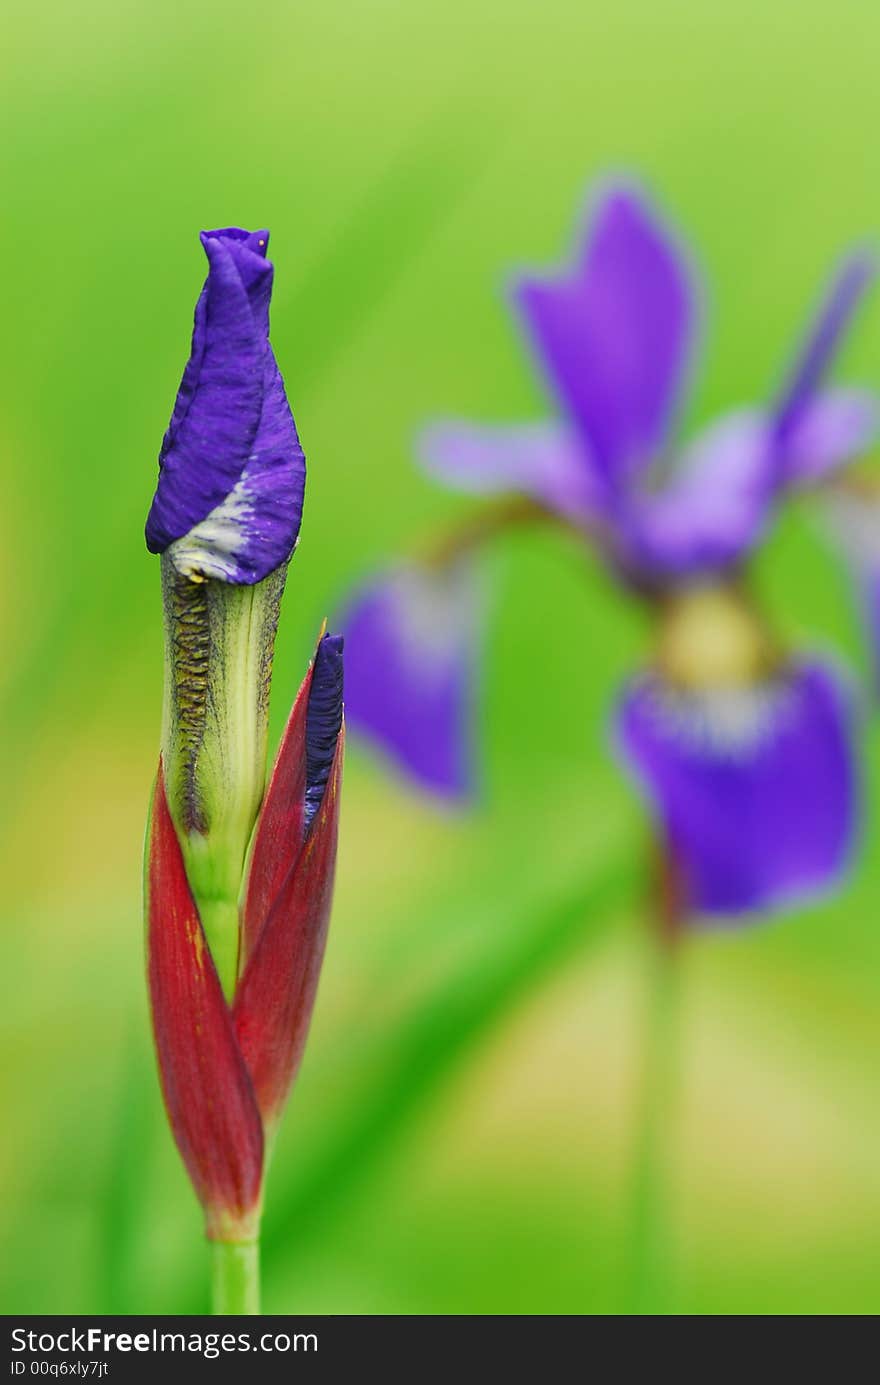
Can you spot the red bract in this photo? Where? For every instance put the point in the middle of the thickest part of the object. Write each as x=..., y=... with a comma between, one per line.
x=274, y=999
x=279, y=832
x=226, y=1069
x=207, y=1089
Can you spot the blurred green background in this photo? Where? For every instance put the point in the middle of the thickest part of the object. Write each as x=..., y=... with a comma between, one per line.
x=459, y=1141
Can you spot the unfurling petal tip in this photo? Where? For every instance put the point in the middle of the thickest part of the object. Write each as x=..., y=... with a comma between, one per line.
x=323, y=720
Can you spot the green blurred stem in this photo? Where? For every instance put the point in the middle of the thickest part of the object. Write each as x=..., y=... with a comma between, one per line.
x=650, y=1239
x=235, y=1278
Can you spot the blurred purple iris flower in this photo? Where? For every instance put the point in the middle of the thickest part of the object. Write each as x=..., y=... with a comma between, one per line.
x=745, y=754
x=614, y=337
x=228, y=504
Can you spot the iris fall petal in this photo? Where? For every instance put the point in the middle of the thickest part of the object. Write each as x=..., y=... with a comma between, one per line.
x=754, y=786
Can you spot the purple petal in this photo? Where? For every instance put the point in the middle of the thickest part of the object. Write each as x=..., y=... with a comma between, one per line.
x=410, y=669
x=614, y=333
x=248, y=250
x=323, y=721
x=830, y=430
x=754, y=786
x=540, y=460
x=217, y=414
x=255, y=241
x=823, y=340
x=713, y=508
x=232, y=471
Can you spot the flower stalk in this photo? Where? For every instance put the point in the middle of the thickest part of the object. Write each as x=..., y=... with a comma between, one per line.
x=235, y=1278
x=649, y=1267
x=650, y=1270
x=239, y=875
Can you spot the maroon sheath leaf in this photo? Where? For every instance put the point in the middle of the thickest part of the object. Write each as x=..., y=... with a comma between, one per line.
x=281, y=824
x=276, y=994
x=205, y=1082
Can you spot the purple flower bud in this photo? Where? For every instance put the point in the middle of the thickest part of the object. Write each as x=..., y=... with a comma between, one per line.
x=228, y=504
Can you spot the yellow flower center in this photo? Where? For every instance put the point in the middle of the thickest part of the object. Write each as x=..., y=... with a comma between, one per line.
x=711, y=637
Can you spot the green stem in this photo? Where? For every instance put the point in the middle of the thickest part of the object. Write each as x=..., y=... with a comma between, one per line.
x=650, y=1268
x=235, y=1278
